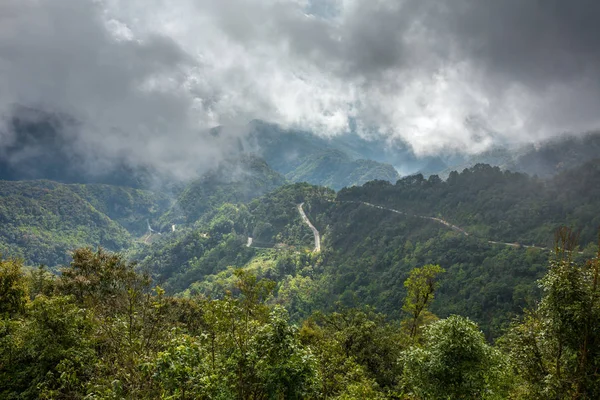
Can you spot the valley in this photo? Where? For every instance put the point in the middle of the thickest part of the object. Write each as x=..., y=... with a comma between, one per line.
x=358, y=244
x=335, y=263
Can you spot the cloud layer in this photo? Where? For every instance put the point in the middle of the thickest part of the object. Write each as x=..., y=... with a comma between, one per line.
x=145, y=78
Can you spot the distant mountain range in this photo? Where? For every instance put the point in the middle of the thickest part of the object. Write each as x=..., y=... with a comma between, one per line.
x=40, y=145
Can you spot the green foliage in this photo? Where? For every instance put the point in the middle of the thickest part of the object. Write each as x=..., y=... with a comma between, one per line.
x=555, y=348
x=421, y=286
x=100, y=279
x=369, y=253
x=101, y=331
x=455, y=363
x=357, y=351
x=104, y=333
x=43, y=221
x=131, y=208
x=49, y=354
x=13, y=287
x=218, y=239
x=335, y=169
x=234, y=181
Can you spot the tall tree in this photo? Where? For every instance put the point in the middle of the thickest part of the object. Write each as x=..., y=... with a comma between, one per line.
x=13, y=287
x=421, y=286
x=455, y=363
x=556, y=347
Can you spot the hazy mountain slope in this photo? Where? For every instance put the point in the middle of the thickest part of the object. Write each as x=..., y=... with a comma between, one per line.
x=234, y=181
x=335, y=169
x=544, y=159
x=557, y=155
x=305, y=157
x=131, y=208
x=43, y=220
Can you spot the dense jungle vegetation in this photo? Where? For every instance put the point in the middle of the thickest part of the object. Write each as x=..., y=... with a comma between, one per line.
x=214, y=291
x=102, y=330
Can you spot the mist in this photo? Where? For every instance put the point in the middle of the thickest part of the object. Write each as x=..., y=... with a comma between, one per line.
x=140, y=83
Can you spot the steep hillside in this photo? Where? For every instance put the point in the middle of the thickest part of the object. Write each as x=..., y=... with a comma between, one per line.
x=219, y=239
x=334, y=169
x=131, y=208
x=43, y=220
x=305, y=157
x=233, y=181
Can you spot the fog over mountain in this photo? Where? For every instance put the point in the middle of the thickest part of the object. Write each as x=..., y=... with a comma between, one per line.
x=142, y=81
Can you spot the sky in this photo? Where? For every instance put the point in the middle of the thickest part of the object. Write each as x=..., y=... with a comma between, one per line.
x=144, y=77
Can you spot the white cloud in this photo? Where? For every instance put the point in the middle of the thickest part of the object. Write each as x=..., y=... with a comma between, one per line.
x=145, y=76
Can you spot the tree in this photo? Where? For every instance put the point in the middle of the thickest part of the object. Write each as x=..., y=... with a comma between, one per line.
x=421, y=286
x=50, y=354
x=555, y=348
x=355, y=347
x=13, y=287
x=455, y=363
x=101, y=280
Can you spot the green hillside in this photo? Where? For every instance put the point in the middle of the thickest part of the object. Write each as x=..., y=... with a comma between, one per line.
x=218, y=239
x=233, y=181
x=42, y=221
x=336, y=170
x=368, y=252
x=304, y=157
x=409, y=276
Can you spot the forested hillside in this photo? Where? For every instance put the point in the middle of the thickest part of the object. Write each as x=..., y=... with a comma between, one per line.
x=371, y=236
x=218, y=240
x=367, y=252
x=233, y=181
x=304, y=157
x=497, y=205
x=101, y=330
x=43, y=221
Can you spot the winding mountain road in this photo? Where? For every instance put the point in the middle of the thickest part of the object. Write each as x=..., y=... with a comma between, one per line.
x=448, y=224
x=311, y=226
x=438, y=220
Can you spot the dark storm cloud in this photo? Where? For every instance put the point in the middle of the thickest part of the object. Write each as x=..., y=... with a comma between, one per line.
x=144, y=76
x=533, y=42
x=127, y=94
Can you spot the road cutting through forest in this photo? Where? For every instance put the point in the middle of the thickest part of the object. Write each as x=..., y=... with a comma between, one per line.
x=311, y=226
x=446, y=223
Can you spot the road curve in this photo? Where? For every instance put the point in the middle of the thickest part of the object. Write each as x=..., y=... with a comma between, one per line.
x=311, y=226
x=438, y=220
x=449, y=225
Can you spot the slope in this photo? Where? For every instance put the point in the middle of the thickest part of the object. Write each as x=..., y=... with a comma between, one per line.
x=218, y=240
x=233, y=181
x=334, y=169
x=304, y=157
x=43, y=220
